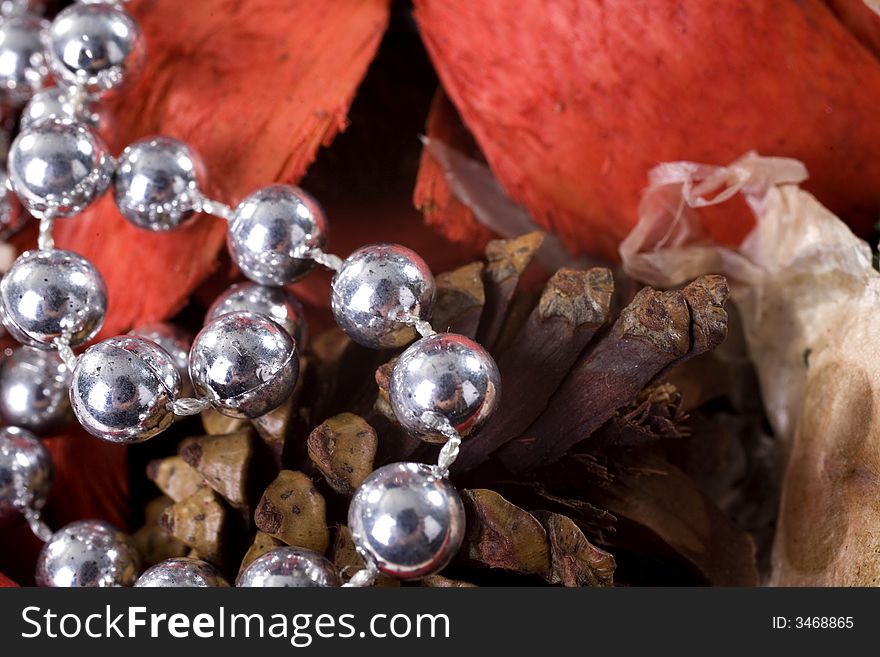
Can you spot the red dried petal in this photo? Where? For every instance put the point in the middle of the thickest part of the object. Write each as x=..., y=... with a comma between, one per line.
x=6, y=583
x=573, y=103
x=255, y=88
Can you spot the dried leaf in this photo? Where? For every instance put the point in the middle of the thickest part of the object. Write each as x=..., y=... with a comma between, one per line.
x=574, y=561
x=223, y=461
x=293, y=511
x=343, y=448
x=199, y=521
x=501, y=535
x=175, y=477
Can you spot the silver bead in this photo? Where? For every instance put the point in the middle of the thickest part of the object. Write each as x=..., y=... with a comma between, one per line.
x=95, y=46
x=157, y=182
x=52, y=294
x=444, y=376
x=88, y=553
x=270, y=230
x=34, y=387
x=407, y=519
x=277, y=303
x=181, y=572
x=289, y=567
x=59, y=166
x=23, y=67
x=176, y=342
x=25, y=472
x=54, y=104
x=121, y=389
x=376, y=286
x=17, y=7
x=245, y=364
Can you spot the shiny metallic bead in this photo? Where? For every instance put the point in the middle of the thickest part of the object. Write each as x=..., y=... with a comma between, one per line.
x=157, y=182
x=407, y=519
x=54, y=103
x=25, y=472
x=376, y=286
x=289, y=567
x=245, y=364
x=176, y=342
x=34, y=387
x=269, y=231
x=181, y=572
x=277, y=303
x=445, y=375
x=58, y=166
x=17, y=7
x=23, y=67
x=52, y=294
x=95, y=46
x=121, y=389
x=88, y=553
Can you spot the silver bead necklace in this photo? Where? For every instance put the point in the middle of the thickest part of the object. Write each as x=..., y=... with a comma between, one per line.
x=406, y=519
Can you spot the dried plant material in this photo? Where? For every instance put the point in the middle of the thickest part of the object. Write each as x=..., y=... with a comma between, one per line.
x=440, y=582
x=660, y=509
x=293, y=511
x=276, y=426
x=345, y=557
x=571, y=107
x=200, y=522
x=153, y=543
x=175, y=477
x=573, y=306
x=501, y=535
x=809, y=299
x=262, y=544
x=507, y=260
x=574, y=561
x=343, y=449
x=217, y=424
x=653, y=415
x=383, y=383
x=653, y=333
x=458, y=305
x=223, y=461
x=432, y=194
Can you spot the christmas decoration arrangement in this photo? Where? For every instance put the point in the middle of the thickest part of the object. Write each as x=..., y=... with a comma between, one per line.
x=562, y=304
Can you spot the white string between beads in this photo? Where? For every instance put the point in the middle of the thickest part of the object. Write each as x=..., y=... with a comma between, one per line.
x=188, y=406
x=62, y=344
x=45, y=241
x=35, y=521
x=364, y=577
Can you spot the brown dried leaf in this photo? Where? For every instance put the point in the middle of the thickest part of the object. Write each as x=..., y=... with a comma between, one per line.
x=223, y=461
x=343, y=448
x=293, y=511
x=175, y=477
x=574, y=560
x=502, y=535
x=460, y=300
x=154, y=544
x=262, y=544
x=200, y=522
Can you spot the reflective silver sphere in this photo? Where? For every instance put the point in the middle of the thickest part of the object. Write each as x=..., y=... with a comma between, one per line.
x=25, y=472
x=88, y=553
x=181, y=572
x=121, y=387
x=34, y=390
x=16, y=7
x=23, y=67
x=407, y=519
x=269, y=230
x=176, y=342
x=50, y=294
x=95, y=46
x=289, y=567
x=53, y=104
x=246, y=364
x=277, y=303
x=59, y=166
x=157, y=181
x=376, y=285
x=445, y=374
